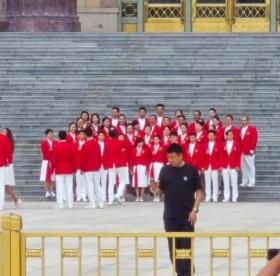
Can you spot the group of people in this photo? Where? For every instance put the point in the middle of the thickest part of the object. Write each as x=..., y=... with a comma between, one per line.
x=99, y=158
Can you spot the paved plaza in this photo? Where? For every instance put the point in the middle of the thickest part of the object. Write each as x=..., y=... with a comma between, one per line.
x=145, y=217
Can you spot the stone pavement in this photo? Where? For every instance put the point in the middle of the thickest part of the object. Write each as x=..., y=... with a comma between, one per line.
x=145, y=217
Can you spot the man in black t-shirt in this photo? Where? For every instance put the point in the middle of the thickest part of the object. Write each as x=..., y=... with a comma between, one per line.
x=182, y=189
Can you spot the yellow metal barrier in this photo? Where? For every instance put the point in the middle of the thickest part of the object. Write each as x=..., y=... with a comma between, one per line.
x=56, y=251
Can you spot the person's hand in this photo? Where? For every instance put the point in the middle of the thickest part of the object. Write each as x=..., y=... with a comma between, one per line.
x=252, y=152
x=192, y=218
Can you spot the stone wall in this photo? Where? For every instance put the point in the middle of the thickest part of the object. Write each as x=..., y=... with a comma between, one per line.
x=98, y=15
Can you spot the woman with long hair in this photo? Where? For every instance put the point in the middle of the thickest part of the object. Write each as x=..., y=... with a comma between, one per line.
x=9, y=171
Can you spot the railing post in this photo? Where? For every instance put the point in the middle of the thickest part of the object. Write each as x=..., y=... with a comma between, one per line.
x=188, y=16
x=273, y=16
x=10, y=250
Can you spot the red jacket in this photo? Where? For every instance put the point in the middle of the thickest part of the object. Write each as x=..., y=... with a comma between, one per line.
x=197, y=157
x=142, y=158
x=90, y=156
x=47, y=149
x=249, y=141
x=137, y=134
x=235, y=131
x=213, y=159
x=192, y=128
x=5, y=151
x=121, y=129
x=159, y=155
x=148, y=141
x=231, y=160
x=182, y=141
x=203, y=139
x=122, y=155
x=79, y=147
x=63, y=158
x=146, y=123
x=220, y=138
x=106, y=155
x=95, y=131
x=156, y=131
x=72, y=140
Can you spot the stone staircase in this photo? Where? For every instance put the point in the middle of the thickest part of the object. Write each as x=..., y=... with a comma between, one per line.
x=47, y=79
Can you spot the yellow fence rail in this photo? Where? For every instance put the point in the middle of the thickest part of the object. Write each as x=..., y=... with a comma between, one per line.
x=22, y=253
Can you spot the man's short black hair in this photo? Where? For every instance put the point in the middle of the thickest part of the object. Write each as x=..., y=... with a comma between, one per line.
x=116, y=108
x=142, y=108
x=197, y=111
x=104, y=119
x=212, y=109
x=211, y=131
x=48, y=131
x=182, y=116
x=230, y=116
x=62, y=134
x=160, y=105
x=175, y=148
x=88, y=131
x=228, y=131
x=82, y=131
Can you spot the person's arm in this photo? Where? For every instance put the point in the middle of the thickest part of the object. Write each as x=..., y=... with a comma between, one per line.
x=193, y=214
x=272, y=268
x=199, y=193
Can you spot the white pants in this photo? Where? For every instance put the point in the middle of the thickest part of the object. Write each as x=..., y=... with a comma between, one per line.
x=230, y=176
x=248, y=169
x=103, y=178
x=123, y=175
x=2, y=187
x=211, y=176
x=140, y=177
x=64, y=186
x=94, y=191
x=156, y=166
x=81, y=185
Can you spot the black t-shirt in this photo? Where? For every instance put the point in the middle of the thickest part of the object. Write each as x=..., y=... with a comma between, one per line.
x=179, y=186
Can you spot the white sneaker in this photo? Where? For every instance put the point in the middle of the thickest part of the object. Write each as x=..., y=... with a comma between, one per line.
x=137, y=199
x=141, y=199
x=79, y=199
x=52, y=194
x=207, y=200
x=123, y=199
x=215, y=200
x=250, y=185
x=234, y=200
x=225, y=200
x=156, y=200
x=47, y=194
x=84, y=199
x=18, y=203
x=243, y=184
x=57, y=207
x=101, y=206
x=118, y=199
x=90, y=207
x=70, y=207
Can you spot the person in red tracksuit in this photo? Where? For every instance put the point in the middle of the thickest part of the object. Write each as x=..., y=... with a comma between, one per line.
x=95, y=124
x=183, y=137
x=248, y=139
x=166, y=139
x=148, y=137
x=219, y=129
x=230, y=126
x=103, y=143
x=139, y=167
x=90, y=166
x=196, y=118
x=201, y=134
x=142, y=120
x=5, y=160
x=64, y=166
x=72, y=136
x=80, y=178
x=121, y=128
x=158, y=159
x=211, y=165
x=122, y=169
x=46, y=174
x=193, y=152
x=231, y=155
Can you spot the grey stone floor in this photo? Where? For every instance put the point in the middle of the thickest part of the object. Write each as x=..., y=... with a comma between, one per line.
x=145, y=217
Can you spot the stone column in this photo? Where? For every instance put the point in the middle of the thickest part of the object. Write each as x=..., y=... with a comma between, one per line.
x=41, y=15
